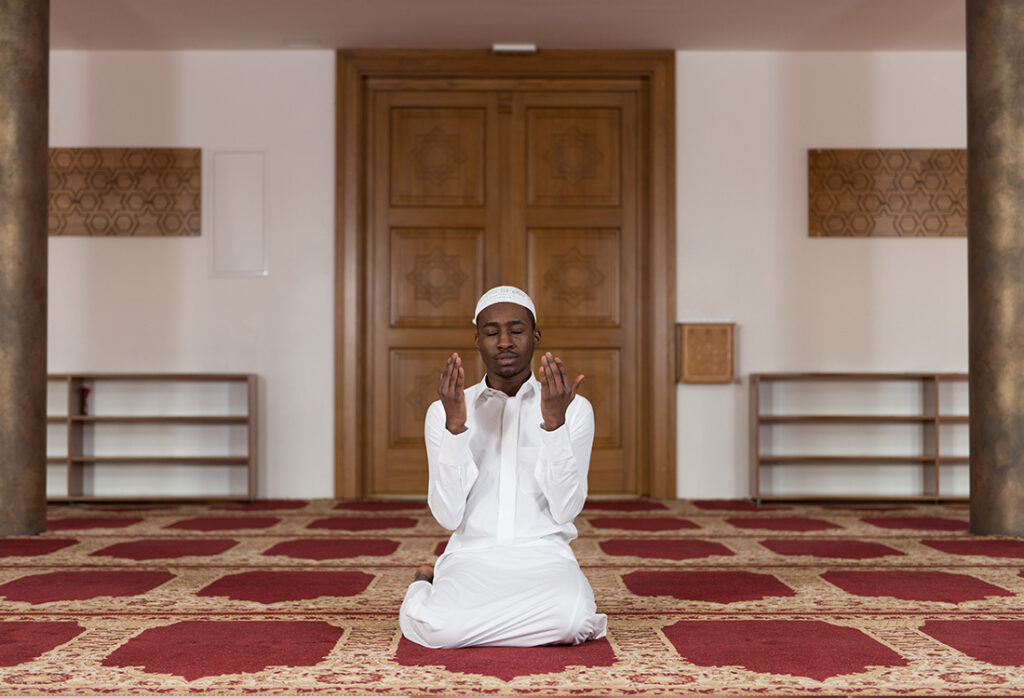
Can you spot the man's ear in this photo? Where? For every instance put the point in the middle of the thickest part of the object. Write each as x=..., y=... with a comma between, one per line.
x=476, y=339
x=536, y=335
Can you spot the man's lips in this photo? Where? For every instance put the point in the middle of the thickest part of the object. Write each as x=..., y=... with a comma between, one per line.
x=507, y=359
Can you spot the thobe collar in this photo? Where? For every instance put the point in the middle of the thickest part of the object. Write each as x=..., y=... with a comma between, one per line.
x=528, y=389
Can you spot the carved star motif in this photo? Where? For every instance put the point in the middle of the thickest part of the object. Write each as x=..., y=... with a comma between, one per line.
x=573, y=277
x=423, y=392
x=437, y=155
x=437, y=277
x=574, y=155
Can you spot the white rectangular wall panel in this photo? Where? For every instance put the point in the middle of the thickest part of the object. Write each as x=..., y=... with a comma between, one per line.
x=239, y=232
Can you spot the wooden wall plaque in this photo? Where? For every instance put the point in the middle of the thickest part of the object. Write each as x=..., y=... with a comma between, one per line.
x=131, y=192
x=705, y=352
x=887, y=192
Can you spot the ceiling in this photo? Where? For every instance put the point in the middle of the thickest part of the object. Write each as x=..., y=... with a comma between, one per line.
x=792, y=25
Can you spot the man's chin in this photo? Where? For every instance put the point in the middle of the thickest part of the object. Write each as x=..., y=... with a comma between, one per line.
x=509, y=371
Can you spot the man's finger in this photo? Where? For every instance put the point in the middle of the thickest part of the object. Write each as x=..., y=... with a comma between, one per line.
x=443, y=383
x=448, y=376
x=562, y=377
x=576, y=383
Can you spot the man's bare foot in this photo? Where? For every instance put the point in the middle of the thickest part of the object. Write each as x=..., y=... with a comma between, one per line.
x=424, y=573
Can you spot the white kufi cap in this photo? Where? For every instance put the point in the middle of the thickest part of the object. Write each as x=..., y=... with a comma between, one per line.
x=504, y=294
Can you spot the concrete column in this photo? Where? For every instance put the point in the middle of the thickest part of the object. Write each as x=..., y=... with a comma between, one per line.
x=24, y=104
x=995, y=258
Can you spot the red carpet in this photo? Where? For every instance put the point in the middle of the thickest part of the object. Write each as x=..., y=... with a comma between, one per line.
x=224, y=523
x=356, y=523
x=651, y=523
x=276, y=586
x=193, y=649
x=995, y=642
x=164, y=549
x=719, y=587
x=919, y=523
x=664, y=549
x=31, y=547
x=321, y=549
x=84, y=523
x=800, y=648
x=703, y=598
x=782, y=523
x=24, y=641
x=84, y=584
x=914, y=585
x=980, y=547
x=848, y=549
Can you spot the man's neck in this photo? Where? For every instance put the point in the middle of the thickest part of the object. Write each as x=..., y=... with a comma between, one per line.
x=509, y=386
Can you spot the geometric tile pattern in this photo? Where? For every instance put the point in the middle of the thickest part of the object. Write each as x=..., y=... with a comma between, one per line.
x=130, y=192
x=879, y=192
x=825, y=604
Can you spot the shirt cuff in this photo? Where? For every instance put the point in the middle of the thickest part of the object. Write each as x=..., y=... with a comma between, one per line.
x=455, y=447
x=556, y=443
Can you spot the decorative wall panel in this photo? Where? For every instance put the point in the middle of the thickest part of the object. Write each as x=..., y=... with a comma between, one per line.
x=437, y=156
x=125, y=191
x=574, y=276
x=887, y=193
x=706, y=352
x=436, y=276
x=415, y=375
x=573, y=157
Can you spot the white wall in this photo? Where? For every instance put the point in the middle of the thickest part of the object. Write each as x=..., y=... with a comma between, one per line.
x=745, y=122
x=151, y=304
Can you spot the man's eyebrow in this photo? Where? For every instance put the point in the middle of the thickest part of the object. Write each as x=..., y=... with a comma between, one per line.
x=495, y=323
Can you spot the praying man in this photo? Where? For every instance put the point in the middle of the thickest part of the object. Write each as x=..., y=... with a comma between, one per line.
x=508, y=460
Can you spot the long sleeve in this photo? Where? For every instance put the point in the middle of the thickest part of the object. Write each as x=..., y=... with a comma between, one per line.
x=451, y=468
x=564, y=460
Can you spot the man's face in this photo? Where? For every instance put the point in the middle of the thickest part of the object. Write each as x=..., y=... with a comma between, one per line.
x=505, y=337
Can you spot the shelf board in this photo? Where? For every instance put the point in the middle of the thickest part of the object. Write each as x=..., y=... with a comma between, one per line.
x=170, y=460
x=955, y=419
x=152, y=419
x=140, y=377
x=149, y=498
x=844, y=419
x=844, y=460
x=54, y=419
x=56, y=459
x=835, y=376
x=860, y=498
x=954, y=460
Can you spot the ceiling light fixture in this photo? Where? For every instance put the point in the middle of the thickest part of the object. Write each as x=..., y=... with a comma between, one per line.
x=514, y=48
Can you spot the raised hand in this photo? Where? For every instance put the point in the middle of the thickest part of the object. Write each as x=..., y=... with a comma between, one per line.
x=555, y=391
x=453, y=398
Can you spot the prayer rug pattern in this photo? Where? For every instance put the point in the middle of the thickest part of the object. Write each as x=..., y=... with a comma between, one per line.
x=706, y=597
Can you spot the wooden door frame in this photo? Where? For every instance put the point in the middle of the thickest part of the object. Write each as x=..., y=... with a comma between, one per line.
x=657, y=434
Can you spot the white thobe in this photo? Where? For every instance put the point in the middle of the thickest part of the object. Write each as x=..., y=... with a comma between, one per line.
x=510, y=491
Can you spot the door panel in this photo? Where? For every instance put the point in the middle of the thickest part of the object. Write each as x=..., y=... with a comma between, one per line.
x=436, y=276
x=573, y=156
x=575, y=275
x=437, y=156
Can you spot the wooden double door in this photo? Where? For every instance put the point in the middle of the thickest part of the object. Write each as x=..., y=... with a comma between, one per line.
x=474, y=182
